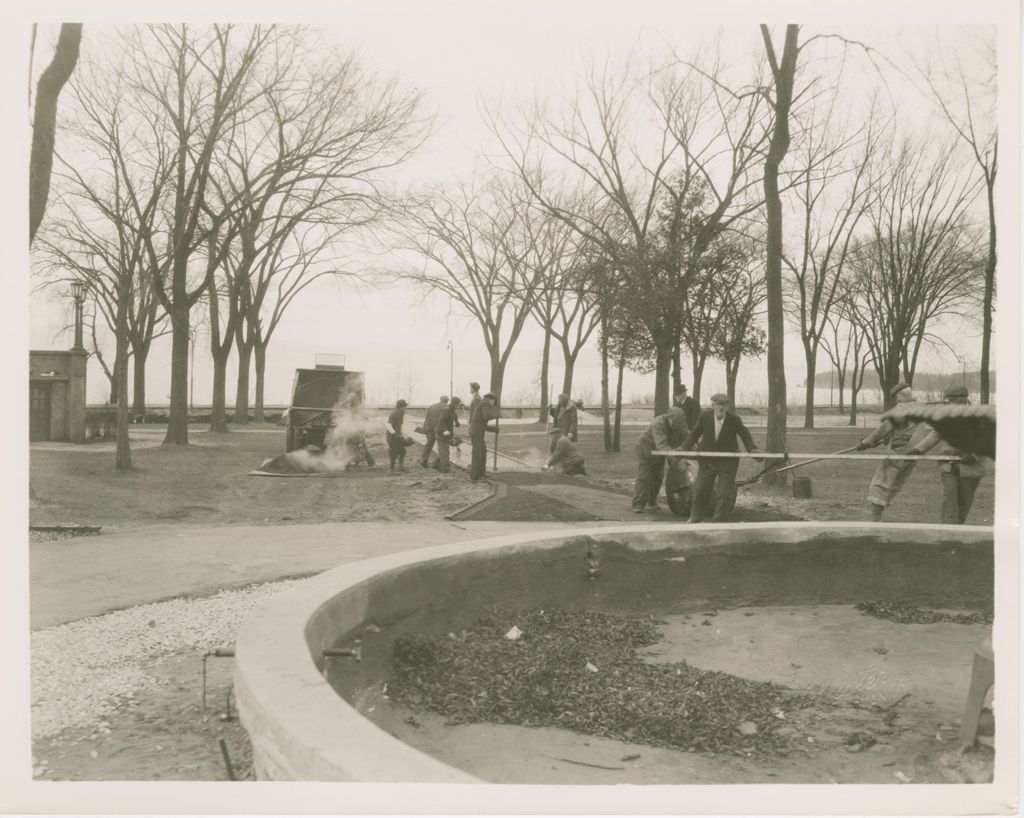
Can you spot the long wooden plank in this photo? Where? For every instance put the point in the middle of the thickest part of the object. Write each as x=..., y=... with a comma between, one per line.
x=798, y=456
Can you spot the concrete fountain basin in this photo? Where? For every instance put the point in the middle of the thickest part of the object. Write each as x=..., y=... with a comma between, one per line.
x=302, y=730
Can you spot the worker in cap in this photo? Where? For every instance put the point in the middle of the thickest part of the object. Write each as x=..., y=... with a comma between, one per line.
x=447, y=420
x=682, y=399
x=566, y=420
x=667, y=431
x=480, y=421
x=892, y=473
x=717, y=430
x=474, y=397
x=430, y=428
x=395, y=440
x=960, y=478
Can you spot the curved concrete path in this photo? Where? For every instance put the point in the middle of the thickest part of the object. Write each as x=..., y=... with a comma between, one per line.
x=86, y=576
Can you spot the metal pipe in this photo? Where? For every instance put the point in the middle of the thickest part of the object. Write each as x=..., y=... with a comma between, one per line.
x=227, y=759
x=220, y=653
x=356, y=652
x=808, y=462
x=811, y=455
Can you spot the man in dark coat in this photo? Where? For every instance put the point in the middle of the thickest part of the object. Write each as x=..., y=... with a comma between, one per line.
x=393, y=434
x=666, y=431
x=430, y=428
x=446, y=423
x=480, y=422
x=690, y=407
x=717, y=430
x=566, y=420
x=474, y=398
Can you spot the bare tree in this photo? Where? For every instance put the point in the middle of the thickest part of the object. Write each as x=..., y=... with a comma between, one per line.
x=487, y=249
x=304, y=171
x=196, y=84
x=635, y=192
x=44, y=120
x=738, y=335
x=105, y=213
x=969, y=104
x=919, y=262
x=834, y=192
x=783, y=70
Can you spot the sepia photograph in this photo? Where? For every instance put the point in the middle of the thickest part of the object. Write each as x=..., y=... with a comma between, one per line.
x=529, y=399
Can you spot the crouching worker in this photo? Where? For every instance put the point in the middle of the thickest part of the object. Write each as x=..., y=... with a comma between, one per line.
x=445, y=433
x=666, y=431
x=568, y=456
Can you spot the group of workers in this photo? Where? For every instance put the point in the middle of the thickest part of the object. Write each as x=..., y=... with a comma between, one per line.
x=717, y=431
x=686, y=427
x=439, y=427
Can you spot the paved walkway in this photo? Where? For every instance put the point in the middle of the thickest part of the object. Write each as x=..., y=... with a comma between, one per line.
x=86, y=576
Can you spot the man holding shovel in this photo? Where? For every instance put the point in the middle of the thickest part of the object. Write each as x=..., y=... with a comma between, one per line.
x=480, y=422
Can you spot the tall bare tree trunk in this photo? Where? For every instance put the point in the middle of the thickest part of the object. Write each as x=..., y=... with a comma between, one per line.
x=784, y=73
x=990, y=286
x=44, y=121
x=677, y=363
x=605, y=400
x=218, y=406
x=617, y=432
x=139, y=382
x=698, y=376
x=570, y=365
x=177, y=420
x=260, y=355
x=497, y=373
x=244, y=346
x=811, y=360
x=123, y=457
x=662, y=374
x=545, y=363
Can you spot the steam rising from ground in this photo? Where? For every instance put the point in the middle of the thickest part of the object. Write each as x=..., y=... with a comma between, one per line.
x=345, y=442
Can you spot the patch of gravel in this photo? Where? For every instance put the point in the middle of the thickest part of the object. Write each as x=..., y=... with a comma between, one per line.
x=86, y=669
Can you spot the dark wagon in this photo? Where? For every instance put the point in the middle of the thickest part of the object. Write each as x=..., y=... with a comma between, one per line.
x=316, y=394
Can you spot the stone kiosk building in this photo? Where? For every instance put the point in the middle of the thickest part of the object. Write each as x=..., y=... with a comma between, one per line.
x=56, y=395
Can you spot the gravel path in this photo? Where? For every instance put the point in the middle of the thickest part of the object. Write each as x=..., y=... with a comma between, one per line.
x=85, y=670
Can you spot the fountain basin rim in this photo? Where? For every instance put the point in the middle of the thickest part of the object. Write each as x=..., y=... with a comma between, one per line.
x=302, y=730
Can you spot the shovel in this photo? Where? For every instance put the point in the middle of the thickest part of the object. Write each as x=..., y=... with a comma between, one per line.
x=815, y=460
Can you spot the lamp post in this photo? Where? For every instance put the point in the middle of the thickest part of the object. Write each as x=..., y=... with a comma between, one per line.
x=451, y=369
x=78, y=293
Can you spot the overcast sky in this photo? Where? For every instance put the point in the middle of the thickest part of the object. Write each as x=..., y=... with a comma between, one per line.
x=458, y=54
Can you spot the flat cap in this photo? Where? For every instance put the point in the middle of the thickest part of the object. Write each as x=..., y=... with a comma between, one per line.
x=401, y=404
x=899, y=388
x=474, y=385
x=955, y=392
x=491, y=396
x=719, y=397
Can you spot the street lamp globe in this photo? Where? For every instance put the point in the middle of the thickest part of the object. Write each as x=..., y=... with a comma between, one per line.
x=78, y=290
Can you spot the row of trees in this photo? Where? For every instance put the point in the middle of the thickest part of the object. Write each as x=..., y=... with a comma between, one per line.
x=216, y=168
x=680, y=209
x=649, y=205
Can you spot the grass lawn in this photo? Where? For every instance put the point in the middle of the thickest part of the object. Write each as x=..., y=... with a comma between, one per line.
x=208, y=483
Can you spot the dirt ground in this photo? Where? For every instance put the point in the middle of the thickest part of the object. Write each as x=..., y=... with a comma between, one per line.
x=164, y=733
